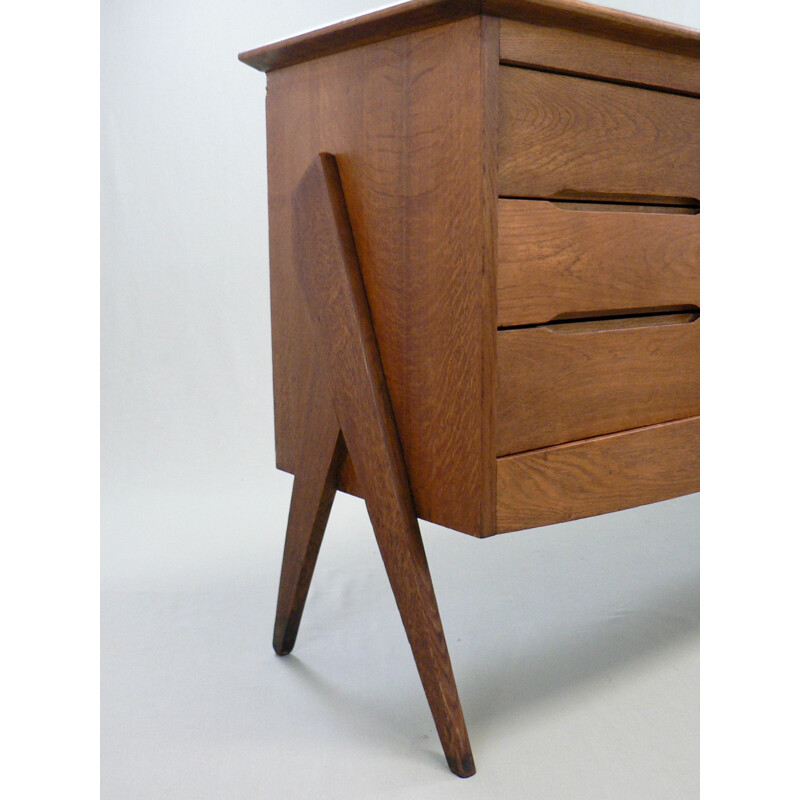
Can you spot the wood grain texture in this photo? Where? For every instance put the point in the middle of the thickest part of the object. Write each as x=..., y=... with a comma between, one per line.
x=348, y=354
x=577, y=53
x=561, y=383
x=567, y=137
x=405, y=120
x=420, y=14
x=597, y=20
x=597, y=476
x=553, y=262
x=377, y=26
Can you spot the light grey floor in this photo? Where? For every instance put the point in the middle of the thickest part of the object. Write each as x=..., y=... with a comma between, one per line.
x=575, y=649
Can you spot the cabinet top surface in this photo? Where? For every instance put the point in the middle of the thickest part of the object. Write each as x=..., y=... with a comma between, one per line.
x=418, y=14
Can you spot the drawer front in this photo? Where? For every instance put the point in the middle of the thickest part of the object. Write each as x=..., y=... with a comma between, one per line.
x=584, y=261
x=595, y=476
x=568, y=50
x=569, y=381
x=566, y=137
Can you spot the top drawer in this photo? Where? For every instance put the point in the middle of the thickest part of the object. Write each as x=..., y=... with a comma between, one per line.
x=567, y=137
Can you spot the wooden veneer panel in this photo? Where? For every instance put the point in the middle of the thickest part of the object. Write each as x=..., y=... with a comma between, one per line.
x=405, y=118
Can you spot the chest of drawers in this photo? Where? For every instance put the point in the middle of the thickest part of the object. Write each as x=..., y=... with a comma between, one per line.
x=519, y=182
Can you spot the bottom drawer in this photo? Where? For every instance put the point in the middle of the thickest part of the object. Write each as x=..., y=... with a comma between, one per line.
x=599, y=475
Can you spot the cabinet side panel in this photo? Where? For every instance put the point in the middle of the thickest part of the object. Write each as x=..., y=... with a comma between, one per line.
x=403, y=118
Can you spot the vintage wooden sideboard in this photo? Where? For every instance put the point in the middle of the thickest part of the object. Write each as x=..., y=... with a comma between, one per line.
x=484, y=271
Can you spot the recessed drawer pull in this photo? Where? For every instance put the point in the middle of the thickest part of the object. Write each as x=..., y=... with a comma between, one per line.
x=614, y=319
x=571, y=326
x=691, y=207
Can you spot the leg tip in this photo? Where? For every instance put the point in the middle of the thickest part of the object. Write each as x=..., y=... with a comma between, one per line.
x=281, y=649
x=463, y=767
x=283, y=638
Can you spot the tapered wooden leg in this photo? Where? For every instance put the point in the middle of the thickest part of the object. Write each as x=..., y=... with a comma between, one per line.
x=322, y=454
x=347, y=353
x=403, y=554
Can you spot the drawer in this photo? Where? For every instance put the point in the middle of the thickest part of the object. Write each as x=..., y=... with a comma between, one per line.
x=568, y=381
x=595, y=476
x=565, y=50
x=580, y=259
x=562, y=136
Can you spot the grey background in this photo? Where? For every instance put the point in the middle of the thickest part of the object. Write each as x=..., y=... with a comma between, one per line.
x=575, y=647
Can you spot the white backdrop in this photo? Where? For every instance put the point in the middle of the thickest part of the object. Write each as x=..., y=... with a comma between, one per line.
x=601, y=614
